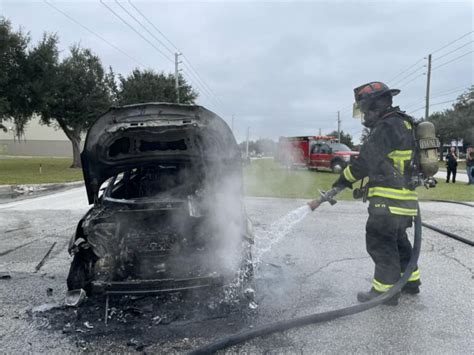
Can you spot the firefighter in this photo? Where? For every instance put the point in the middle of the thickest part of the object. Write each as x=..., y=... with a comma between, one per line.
x=386, y=158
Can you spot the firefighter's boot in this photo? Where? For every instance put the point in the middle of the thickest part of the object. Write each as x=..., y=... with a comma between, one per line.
x=412, y=287
x=368, y=296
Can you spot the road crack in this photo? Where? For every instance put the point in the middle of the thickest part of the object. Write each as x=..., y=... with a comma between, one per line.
x=451, y=257
x=311, y=274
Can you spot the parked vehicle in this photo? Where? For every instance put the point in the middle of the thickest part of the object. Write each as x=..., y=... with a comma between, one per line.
x=165, y=181
x=314, y=152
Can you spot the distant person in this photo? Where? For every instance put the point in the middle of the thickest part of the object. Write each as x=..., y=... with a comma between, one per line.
x=451, y=164
x=470, y=165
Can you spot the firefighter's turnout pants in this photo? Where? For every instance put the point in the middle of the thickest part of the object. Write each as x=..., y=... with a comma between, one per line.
x=388, y=245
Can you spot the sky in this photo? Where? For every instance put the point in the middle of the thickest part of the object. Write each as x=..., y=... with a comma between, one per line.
x=280, y=68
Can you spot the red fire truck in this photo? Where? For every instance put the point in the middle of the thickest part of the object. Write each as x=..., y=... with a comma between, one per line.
x=314, y=152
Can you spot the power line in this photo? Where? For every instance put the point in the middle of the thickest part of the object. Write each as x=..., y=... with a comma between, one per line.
x=151, y=23
x=407, y=69
x=435, y=104
x=449, y=93
x=400, y=81
x=191, y=69
x=454, y=50
x=144, y=27
x=202, y=86
x=435, y=51
x=197, y=85
x=420, y=100
x=94, y=33
x=197, y=73
x=156, y=28
x=410, y=81
x=408, y=75
x=193, y=80
x=134, y=30
x=464, y=87
x=452, y=60
x=452, y=42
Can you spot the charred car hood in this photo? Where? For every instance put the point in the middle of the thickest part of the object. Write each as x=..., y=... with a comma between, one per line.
x=128, y=136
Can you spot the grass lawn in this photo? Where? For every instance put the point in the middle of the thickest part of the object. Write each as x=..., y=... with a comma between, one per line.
x=265, y=178
x=26, y=171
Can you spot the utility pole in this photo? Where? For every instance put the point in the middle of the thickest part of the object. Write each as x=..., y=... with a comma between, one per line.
x=339, y=126
x=247, y=145
x=428, y=81
x=176, y=74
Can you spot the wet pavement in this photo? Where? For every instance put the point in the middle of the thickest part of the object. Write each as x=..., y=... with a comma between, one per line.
x=319, y=266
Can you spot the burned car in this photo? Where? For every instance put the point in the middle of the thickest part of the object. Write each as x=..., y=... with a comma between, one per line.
x=165, y=181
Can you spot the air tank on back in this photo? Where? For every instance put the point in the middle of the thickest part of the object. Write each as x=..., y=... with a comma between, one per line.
x=428, y=144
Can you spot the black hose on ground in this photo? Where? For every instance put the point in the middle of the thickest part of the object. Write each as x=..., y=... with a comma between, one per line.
x=449, y=234
x=449, y=201
x=319, y=317
x=446, y=233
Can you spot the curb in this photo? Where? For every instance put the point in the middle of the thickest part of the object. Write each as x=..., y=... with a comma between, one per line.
x=17, y=190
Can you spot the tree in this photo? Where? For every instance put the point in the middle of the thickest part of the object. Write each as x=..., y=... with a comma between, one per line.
x=346, y=138
x=456, y=123
x=463, y=116
x=42, y=68
x=15, y=104
x=444, y=130
x=149, y=86
x=81, y=92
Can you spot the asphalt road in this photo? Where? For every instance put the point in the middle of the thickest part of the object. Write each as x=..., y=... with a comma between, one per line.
x=319, y=266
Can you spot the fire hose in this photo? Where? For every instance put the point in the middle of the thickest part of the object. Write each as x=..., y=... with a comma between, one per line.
x=324, y=316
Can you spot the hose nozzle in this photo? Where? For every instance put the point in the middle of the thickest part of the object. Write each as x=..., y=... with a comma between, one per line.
x=325, y=197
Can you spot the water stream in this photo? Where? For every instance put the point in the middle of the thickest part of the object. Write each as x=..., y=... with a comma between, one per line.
x=266, y=238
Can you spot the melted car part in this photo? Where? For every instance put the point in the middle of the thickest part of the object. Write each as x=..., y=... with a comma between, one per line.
x=75, y=297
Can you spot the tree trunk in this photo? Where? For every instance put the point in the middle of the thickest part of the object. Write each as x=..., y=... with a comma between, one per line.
x=441, y=142
x=76, y=152
x=74, y=136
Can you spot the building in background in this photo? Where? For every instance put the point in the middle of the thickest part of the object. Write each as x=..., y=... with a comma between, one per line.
x=39, y=140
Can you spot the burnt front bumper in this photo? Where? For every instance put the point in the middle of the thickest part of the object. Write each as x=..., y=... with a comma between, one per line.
x=143, y=287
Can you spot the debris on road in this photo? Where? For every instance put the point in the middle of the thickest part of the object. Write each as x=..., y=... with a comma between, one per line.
x=45, y=307
x=75, y=297
x=41, y=263
x=253, y=305
x=249, y=293
x=5, y=275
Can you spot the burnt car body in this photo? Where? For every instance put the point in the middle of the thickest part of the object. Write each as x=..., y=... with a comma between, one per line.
x=165, y=181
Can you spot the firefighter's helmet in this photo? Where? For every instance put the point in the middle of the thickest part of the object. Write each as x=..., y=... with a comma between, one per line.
x=366, y=95
x=375, y=96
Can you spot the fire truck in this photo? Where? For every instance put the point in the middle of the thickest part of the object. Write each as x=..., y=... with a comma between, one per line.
x=314, y=152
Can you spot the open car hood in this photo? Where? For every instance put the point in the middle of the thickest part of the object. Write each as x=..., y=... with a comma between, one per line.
x=132, y=135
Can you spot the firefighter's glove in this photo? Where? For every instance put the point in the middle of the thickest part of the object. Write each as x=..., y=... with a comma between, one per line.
x=342, y=183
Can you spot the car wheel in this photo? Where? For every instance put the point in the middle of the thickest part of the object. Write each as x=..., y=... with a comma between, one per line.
x=337, y=167
x=79, y=274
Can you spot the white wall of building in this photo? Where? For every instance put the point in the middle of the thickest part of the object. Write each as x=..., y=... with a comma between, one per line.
x=35, y=131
